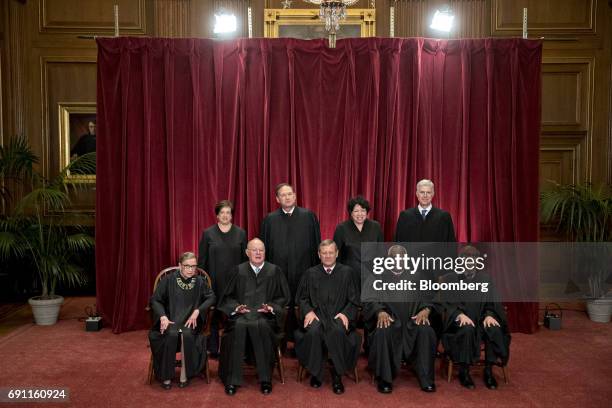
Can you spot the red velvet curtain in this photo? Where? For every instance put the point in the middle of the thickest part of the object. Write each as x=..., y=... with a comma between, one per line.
x=183, y=123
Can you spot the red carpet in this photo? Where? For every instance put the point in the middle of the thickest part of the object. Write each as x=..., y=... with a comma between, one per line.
x=567, y=368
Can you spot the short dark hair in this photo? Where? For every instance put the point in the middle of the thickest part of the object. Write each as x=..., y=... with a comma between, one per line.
x=358, y=200
x=224, y=203
x=281, y=185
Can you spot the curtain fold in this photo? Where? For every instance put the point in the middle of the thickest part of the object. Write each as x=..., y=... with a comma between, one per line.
x=184, y=123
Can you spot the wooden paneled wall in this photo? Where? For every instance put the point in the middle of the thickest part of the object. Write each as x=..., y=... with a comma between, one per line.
x=43, y=62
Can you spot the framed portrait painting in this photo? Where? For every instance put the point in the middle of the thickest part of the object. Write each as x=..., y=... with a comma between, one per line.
x=77, y=122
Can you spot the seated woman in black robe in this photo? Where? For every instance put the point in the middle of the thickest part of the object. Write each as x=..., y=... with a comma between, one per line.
x=472, y=319
x=328, y=303
x=179, y=306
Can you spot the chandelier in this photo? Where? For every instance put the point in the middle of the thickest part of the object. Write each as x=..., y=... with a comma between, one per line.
x=332, y=11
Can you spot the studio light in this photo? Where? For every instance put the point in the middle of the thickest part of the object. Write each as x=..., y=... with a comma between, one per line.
x=442, y=20
x=224, y=23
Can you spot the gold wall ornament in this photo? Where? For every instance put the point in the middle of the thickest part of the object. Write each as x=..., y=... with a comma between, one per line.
x=305, y=24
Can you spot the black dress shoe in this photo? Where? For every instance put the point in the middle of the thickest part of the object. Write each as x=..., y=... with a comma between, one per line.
x=166, y=386
x=266, y=388
x=214, y=355
x=183, y=384
x=429, y=388
x=315, y=382
x=337, y=386
x=230, y=389
x=384, y=387
x=489, y=379
x=466, y=379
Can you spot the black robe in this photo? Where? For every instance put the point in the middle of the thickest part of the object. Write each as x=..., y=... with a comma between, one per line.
x=177, y=305
x=349, y=239
x=259, y=330
x=436, y=227
x=292, y=242
x=219, y=252
x=463, y=343
x=403, y=339
x=327, y=295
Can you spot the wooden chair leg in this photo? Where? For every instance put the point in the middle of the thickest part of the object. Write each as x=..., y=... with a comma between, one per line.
x=281, y=369
x=207, y=371
x=300, y=372
x=356, y=375
x=505, y=374
x=150, y=371
x=449, y=370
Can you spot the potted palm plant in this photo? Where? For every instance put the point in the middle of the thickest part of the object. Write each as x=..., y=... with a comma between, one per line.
x=32, y=229
x=584, y=214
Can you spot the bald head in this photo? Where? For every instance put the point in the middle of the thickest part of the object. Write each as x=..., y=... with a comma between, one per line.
x=256, y=251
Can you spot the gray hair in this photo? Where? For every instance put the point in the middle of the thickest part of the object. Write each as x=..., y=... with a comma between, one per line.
x=425, y=182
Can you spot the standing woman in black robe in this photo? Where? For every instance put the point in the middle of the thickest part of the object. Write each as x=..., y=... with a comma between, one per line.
x=222, y=247
x=179, y=307
x=351, y=233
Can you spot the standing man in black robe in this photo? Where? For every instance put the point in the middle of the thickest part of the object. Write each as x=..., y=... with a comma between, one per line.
x=425, y=223
x=401, y=330
x=179, y=306
x=222, y=247
x=291, y=235
x=473, y=318
x=254, y=302
x=328, y=301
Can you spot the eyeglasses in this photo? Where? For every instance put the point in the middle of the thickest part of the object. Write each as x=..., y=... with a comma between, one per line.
x=192, y=267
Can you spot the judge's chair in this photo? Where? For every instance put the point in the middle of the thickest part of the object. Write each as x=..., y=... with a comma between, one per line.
x=206, y=331
x=301, y=369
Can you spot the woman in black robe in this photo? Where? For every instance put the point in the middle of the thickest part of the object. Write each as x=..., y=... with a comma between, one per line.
x=179, y=307
x=222, y=247
x=350, y=234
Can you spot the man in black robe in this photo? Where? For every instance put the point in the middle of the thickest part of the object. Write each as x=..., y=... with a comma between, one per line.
x=401, y=331
x=254, y=302
x=473, y=318
x=179, y=307
x=425, y=223
x=328, y=302
x=291, y=235
x=86, y=143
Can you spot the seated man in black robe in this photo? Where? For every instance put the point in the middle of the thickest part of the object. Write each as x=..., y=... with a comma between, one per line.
x=401, y=331
x=254, y=302
x=179, y=306
x=472, y=319
x=328, y=302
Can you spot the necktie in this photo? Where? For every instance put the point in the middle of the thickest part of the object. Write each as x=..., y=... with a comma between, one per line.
x=328, y=270
x=257, y=271
x=424, y=213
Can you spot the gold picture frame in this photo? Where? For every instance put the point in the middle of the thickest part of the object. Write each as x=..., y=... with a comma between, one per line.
x=306, y=24
x=74, y=123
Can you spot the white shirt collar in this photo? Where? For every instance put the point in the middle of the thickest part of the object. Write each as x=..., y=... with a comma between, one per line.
x=426, y=209
x=254, y=268
x=289, y=212
x=325, y=268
